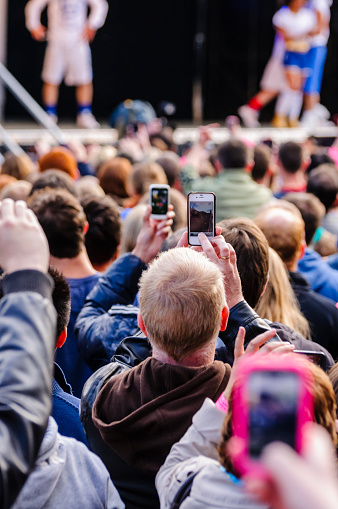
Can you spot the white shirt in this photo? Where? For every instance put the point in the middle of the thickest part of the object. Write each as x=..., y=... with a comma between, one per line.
x=66, y=18
x=295, y=24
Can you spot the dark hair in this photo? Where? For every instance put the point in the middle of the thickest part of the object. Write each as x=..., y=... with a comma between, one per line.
x=317, y=159
x=55, y=179
x=312, y=211
x=171, y=168
x=323, y=183
x=291, y=156
x=252, y=251
x=61, y=299
x=62, y=219
x=261, y=162
x=113, y=176
x=233, y=154
x=60, y=296
x=104, y=232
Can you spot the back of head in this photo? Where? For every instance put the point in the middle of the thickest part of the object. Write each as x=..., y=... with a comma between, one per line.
x=252, y=251
x=181, y=302
x=233, y=154
x=170, y=164
x=18, y=167
x=88, y=186
x=104, y=232
x=317, y=159
x=62, y=219
x=61, y=300
x=145, y=174
x=113, y=176
x=131, y=227
x=311, y=209
x=59, y=158
x=284, y=231
x=5, y=180
x=278, y=303
x=291, y=156
x=323, y=183
x=54, y=179
x=262, y=156
x=18, y=190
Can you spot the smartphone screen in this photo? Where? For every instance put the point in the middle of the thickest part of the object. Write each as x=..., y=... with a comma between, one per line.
x=201, y=216
x=159, y=201
x=273, y=398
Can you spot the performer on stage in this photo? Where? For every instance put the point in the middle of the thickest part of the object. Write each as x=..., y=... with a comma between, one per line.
x=68, y=54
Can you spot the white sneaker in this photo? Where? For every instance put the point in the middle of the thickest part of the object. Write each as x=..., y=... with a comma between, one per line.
x=249, y=116
x=87, y=120
x=322, y=112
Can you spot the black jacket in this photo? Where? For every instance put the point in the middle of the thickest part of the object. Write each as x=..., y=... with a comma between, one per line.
x=27, y=331
x=320, y=312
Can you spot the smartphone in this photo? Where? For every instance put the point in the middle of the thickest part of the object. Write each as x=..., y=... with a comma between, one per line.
x=272, y=402
x=159, y=200
x=201, y=216
x=317, y=358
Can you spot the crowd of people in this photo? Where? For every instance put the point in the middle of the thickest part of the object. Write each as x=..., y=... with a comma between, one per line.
x=122, y=346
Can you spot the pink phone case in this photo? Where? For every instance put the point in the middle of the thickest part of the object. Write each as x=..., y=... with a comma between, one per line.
x=240, y=405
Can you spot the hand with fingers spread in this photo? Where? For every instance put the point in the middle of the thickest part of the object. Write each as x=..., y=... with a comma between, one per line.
x=23, y=244
x=152, y=235
x=258, y=344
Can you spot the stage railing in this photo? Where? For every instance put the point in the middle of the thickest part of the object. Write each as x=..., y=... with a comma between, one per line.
x=27, y=101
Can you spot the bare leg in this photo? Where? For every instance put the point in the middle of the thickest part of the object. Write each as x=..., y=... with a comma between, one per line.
x=50, y=94
x=265, y=96
x=310, y=100
x=84, y=94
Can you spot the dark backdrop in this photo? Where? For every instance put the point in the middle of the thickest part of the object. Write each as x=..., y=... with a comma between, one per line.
x=145, y=51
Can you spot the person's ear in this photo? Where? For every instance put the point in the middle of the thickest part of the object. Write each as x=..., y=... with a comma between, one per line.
x=225, y=316
x=62, y=338
x=302, y=250
x=140, y=323
x=85, y=227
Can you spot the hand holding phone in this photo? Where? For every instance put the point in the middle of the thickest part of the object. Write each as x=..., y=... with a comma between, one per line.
x=159, y=199
x=271, y=401
x=201, y=216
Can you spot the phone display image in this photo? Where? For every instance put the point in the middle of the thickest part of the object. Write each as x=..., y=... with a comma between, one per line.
x=159, y=200
x=201, y=216
x=273, y=398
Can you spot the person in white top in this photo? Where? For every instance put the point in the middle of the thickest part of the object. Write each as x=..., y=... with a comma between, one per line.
x=68, y=55
x=296, y=23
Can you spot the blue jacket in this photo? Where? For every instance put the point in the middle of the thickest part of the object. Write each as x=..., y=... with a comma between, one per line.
x=109, y=313
x=66, y=407
x=323, y=278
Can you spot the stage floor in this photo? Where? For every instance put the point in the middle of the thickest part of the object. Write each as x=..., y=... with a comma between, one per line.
x=26, y=134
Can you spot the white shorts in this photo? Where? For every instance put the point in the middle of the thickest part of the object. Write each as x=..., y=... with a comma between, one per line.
x=68, y=60
x=274, y=76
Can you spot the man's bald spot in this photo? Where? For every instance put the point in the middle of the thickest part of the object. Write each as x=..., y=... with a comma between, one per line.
x=284, y=231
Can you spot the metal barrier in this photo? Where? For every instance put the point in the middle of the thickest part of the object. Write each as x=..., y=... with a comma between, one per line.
x=30, y=105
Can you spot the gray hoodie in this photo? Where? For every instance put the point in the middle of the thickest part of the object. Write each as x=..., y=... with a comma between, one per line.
x=67, y=474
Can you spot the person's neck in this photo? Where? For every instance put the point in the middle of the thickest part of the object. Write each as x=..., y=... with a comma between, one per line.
x=74, y=268
x=293, y=180
x=202, y=357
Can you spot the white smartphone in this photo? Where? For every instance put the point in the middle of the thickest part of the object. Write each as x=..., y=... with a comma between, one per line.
x=201, y=216
x=159, y=199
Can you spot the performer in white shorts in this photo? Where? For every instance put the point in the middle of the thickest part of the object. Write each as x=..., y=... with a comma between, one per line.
x=272, y=83
x=68, y=55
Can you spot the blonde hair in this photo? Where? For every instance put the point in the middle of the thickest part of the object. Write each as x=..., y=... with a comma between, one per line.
x=324, y=413
x=181, y=301
x=279, y=303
